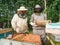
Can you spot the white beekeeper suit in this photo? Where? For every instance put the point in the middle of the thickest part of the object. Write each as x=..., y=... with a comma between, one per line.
x=19, y=24
x=38, y=29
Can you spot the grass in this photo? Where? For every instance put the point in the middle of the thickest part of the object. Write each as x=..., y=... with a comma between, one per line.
x=47, y=42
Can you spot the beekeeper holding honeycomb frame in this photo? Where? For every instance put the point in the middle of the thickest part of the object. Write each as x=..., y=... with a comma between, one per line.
x=38, y=22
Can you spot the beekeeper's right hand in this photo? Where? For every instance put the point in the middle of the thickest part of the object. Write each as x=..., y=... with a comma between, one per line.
x=33, y=24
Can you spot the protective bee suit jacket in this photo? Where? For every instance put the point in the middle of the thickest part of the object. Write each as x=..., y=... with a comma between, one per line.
x=38, y=29
x=19, y=24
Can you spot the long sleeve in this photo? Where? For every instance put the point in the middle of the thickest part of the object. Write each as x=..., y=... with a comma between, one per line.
x=32, y=20
x=13, y=22
x=45, y=16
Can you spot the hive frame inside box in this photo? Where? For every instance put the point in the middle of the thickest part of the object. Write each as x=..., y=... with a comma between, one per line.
x=16, y=42
x=55, y=37
x=28, y=41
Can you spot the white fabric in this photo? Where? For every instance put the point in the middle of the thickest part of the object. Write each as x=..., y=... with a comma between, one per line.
x=36, y=16
x=33, y=24
x=18, y=23
x=37, y=6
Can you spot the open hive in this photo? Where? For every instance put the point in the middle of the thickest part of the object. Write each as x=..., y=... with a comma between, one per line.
x=5, y=30
x=30, y=38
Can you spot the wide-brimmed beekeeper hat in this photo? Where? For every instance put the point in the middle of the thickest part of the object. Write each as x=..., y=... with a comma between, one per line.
x=22, y=8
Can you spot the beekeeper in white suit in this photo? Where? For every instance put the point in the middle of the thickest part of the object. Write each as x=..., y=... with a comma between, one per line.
x=19, y=20
x=38, y=15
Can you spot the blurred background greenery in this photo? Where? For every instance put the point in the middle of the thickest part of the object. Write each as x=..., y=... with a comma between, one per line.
x=9, y=7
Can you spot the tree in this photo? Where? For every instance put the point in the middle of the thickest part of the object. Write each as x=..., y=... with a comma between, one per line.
x=53, y=11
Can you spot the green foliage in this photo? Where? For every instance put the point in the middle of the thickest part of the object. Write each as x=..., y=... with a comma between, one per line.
x=53, y=11
x=9, y=7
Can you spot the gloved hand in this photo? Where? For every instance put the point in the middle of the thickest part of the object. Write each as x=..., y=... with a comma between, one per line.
x=33, y=24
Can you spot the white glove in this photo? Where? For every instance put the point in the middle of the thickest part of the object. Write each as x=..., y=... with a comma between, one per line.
x=33, y=24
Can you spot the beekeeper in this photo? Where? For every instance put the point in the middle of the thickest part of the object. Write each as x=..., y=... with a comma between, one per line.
x=19, y=20
x=37, y=16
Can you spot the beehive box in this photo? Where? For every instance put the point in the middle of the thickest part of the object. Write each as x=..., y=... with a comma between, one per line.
x=12, y=42
x=5, y=32
x=52, y=40
x=29, y=38
x=55, y=37
x=53, y=28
